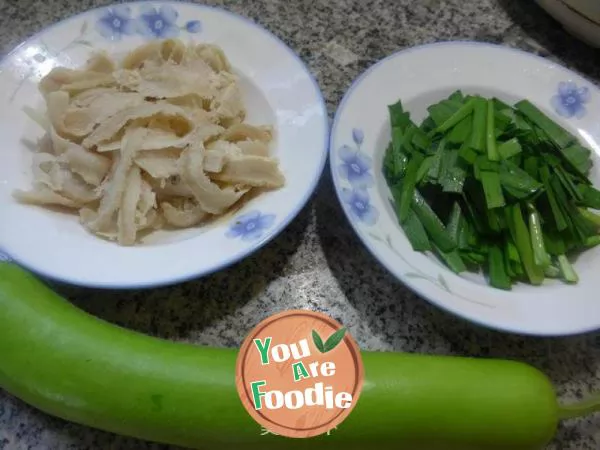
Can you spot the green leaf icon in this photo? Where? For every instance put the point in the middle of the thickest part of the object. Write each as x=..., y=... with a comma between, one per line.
x=334, y=340
x=318, y=341
x=331, y=343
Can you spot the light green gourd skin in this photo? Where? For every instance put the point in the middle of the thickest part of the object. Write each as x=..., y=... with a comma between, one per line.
x=72, y=365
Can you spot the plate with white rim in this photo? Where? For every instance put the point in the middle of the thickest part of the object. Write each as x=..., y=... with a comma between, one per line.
x=277, y=90
x=424, y=75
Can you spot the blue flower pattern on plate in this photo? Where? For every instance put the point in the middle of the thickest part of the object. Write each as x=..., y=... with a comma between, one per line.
x=360, y=206
x=251, y=226
x=116, y=22
x=570, y=100
x=153, y=22
x=158, y=22
x=355, y=167
x=193, y=26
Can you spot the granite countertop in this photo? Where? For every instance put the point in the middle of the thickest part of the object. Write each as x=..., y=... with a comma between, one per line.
x=317, y=262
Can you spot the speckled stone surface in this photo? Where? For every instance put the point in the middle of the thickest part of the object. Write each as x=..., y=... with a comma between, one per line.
x=317, y=262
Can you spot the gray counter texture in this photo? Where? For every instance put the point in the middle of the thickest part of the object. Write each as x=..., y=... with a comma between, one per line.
x=318, y=262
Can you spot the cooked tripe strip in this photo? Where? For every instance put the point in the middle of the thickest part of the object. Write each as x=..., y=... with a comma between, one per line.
x=43, y=196
x=110, y=128
x=209, y=196
x=256, y=171
x=57, y=104
x=127, y=229
x=256, y=148
x=117, y=185
x=79, y=121
x=90, y=166
x=159, y=163
x=184, y=215
x=213, y=56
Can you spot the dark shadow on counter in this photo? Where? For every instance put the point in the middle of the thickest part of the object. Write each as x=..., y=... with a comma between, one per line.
x=549, y=37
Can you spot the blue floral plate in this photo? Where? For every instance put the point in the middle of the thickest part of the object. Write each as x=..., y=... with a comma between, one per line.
x=278, y=90
x=419, y=77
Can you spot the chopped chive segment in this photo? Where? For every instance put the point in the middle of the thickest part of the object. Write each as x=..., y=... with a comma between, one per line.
x=534, y=272
x=492, y=151
x=478, y=135
x=567, y=270
x=432, y=223
x=492, y=189
x=510, y=148
x=497, y=270
x=415, y=233
x=408, y=186
x=540, y=256
x=464, y=111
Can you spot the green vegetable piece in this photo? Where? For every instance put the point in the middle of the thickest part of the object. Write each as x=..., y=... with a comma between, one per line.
x=567, y=182
x=452, y=260
x=492, y=189
x=467, y=154
x=524, y=246
x=421, y=141
x=478, y=135
x=452, y=175
x=408, y=186
x=464, y=111
x=561, y=137
x=590, y=216
x=579, y=157
x=455, y=223
x=592, y=241
x=559, y=217
x=540, y=255
x=492, y=151
x=457, y=96
x=499, y=105
x=590, y=196
x=552, y=271
x=509, y=148
x=399, y=118
x=498, y=277
x=485, y=164
x=517, y=182
x=436, y=165
x=462, y=131
x=531, y=166
x=567, y=270
x=424, y=168
x=432, y=223
x=554, y=243
x=415, y=233
x=442, y=111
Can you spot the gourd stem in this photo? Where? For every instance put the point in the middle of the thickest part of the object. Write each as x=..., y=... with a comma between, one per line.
x=580, y=409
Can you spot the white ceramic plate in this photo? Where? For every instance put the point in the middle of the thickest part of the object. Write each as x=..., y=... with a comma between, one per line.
x=420, y=77
x=573, y=21
x=278, y=90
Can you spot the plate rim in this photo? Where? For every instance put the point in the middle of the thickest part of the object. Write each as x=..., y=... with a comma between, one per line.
x=245, y=252
x=407, y=281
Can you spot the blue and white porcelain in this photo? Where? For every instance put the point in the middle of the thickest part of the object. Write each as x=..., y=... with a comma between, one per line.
x=278, y=90
x=419, y=77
